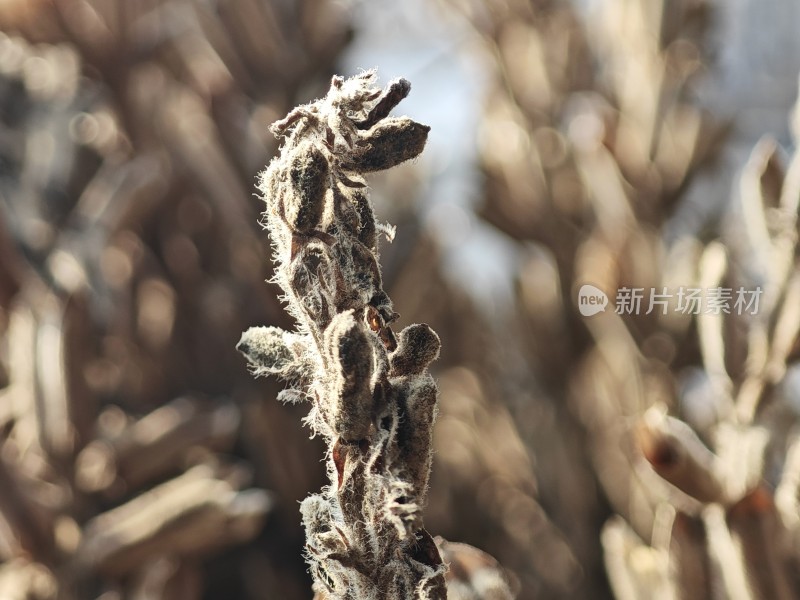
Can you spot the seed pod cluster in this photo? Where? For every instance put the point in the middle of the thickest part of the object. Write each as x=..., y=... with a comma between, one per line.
x=372, y=397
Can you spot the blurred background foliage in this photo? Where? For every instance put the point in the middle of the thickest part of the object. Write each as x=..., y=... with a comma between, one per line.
x=623, y=143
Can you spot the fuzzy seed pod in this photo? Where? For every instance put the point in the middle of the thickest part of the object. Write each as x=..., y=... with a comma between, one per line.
x=419, y=399
x=391, y=97
x=391, y=142
x=417, y=348
x=351, y=350
x=309, y=176
x=267, y=350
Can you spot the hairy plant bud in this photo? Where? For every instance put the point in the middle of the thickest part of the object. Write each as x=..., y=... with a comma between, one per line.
x=309, y=174
x=351, y=351
x=267, y=350
x=391, y=97
x=419, y=399
x=389, y=143
x=418, y=346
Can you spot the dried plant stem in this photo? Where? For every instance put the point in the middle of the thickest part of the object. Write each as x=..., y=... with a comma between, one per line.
x=372, y=397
